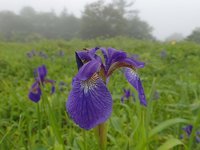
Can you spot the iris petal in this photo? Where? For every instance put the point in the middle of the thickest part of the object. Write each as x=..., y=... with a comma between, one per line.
x=134, y=80
x=89, y=102
x=115, y=59
x=42, y=72
x=78, y=61
x=133, y=62
x=88, y=69
x=87, y=55
x=84, y=55
x=35, y=92
x=114, y=56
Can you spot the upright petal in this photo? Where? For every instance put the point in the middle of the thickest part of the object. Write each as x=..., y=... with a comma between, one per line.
x=87, y=55
x=89, y=102
x=134, y=80
x=35, y=92
x=188, y=129
x=78, y=61
x=42, y=72
x=88, y=69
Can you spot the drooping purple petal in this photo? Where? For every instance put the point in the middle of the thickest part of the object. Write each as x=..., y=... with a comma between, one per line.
x=35, y=92
x=89, y=102
x=117, y=59
x=134, y=80
x=114, y=56
x=88, y=69
x=133, y=62
x=42, y=72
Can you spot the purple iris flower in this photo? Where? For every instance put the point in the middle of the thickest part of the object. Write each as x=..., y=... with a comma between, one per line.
x=35, y=91
x=127, y=95
x=90, y=102
x=163, y=53
x=188, y=131
x=43, y=54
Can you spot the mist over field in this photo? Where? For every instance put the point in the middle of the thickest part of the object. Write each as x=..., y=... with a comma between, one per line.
x=172, y=18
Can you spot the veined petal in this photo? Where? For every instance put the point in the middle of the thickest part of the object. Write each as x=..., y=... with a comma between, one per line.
x=134, y=80
x=35, y=92
x=88, y=69
x=89, y=102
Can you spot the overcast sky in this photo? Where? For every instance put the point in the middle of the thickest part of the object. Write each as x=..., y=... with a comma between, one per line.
x=165, y=16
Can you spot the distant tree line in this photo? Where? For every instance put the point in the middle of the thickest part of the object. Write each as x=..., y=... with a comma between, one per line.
x=194, y=36
x=98, y=20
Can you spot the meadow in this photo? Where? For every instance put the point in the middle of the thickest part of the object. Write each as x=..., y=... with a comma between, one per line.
x=170, y=79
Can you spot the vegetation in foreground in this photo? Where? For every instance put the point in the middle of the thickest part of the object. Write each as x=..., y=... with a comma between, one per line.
x=170, y=80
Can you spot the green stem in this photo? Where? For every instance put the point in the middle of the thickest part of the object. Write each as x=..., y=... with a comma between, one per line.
x=53, y=123
x=85, y=140
x=101, y=132
x=52, y=120
x=39, y=122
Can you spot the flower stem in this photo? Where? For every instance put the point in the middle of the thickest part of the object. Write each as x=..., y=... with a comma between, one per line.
x=39, y=122
x=54, y=124
x=53, y=121
x=85, y=140
x=101, y=132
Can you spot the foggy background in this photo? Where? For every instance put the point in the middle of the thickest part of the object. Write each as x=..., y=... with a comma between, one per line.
x=163, y=19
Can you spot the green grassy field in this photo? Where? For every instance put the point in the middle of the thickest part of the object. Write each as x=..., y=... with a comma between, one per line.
x=171, y=83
